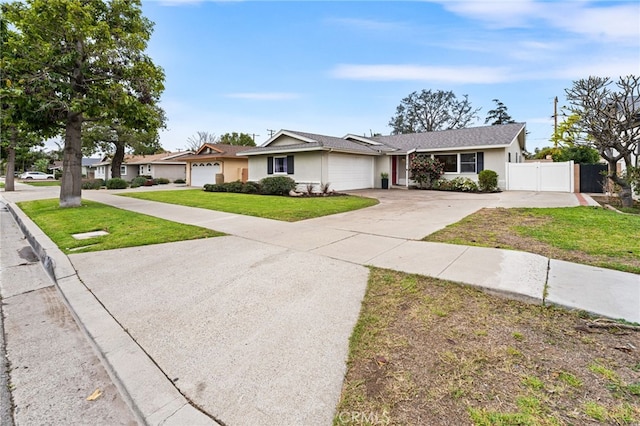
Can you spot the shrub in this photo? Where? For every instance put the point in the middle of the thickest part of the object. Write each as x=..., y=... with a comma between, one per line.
x=442, y=185
x=488, y=181
x=425, y=170
x=277, y=185
x=138, y=181
x=92, y=183
x=117, y=183
x=213, y=187
x=179, y=181
x=251, y=188
x=162, y=181
x=463, y=184
x=233, y=186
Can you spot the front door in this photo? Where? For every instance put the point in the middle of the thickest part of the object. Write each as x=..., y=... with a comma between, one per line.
x=401, y=170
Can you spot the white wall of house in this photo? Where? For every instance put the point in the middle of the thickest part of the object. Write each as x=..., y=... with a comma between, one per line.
x=308, y=167
x=284, y=140
x=495, y=159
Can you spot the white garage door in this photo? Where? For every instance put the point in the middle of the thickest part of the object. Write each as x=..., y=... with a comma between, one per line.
x=203, y=173
x=350, y=171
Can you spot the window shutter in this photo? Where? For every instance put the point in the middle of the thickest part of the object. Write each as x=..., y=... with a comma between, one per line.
x=479, y=161
x=269, y=165
x=289, y=164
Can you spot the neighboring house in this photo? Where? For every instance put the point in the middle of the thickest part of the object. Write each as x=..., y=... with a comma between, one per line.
x=356, y=162
x=169, y=165
x=226, y=161
x=88, y=167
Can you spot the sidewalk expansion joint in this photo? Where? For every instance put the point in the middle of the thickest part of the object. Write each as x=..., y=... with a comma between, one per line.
x=452, y=262
x=545, y=289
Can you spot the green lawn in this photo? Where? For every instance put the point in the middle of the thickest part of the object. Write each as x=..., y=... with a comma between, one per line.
x=588, y=235
x=41, y=182
x=290, y=209
x=125, y=228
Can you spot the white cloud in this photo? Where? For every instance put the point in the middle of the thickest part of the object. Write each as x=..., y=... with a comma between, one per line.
x=596, y=20
x=367, y=24
x=618, y=22
x=390, y=72
x=264, y=96
x=496, y=13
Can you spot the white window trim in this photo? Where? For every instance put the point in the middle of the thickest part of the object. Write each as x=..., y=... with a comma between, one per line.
x=123, y=170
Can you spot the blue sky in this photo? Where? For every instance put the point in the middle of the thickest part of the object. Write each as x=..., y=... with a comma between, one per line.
x=334, y=67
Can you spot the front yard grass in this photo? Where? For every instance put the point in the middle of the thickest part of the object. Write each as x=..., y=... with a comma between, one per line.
x=587, y=235
x=125, y=228
x=431, y=352
x=290, y=209
x=41, y=182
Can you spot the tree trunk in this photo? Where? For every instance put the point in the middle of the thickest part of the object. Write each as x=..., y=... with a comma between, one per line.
x=625, y=193
x=117, y=160
x=71, y=185
x=9, y=181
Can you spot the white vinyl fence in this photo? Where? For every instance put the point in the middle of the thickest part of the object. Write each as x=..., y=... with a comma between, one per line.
x=556, y=177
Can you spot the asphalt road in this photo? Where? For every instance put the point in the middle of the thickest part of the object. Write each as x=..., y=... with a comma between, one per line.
x=48, y=365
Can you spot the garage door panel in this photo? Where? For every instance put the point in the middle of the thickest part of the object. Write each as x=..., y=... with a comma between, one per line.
x=204, y=173
x=350, y=172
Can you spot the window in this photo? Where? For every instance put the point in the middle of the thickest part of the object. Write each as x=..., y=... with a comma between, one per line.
x=149, y=168
x=468, y=163
x=123, y=170
x=279, y=165
x=450, y=162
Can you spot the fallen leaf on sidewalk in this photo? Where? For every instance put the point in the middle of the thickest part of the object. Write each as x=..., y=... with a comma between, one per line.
x=95, y=395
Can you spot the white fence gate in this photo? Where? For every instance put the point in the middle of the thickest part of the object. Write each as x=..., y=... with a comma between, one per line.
x=556, y=177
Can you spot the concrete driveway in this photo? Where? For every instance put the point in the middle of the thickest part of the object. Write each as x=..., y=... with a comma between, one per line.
x=412, y=214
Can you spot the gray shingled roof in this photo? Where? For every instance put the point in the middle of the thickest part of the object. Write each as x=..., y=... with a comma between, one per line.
x=501, y=135
x=321, y=141
x=456, y=138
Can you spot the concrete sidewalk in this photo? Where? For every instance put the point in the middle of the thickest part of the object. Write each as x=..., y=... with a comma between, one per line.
x=253, y=328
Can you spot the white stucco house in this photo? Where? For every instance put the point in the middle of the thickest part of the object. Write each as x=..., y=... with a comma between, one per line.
x=356, y=162
x=169, y=165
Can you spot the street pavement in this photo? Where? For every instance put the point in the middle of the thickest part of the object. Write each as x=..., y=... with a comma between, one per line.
x=253, y=328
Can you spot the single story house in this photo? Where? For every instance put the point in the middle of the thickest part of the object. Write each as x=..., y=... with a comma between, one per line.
x=88, y=166
x=356, y=162
x=222, y=160
x=168, y=165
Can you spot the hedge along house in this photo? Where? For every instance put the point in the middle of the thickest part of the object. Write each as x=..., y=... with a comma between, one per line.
x=168, y=165
x=211, y=160
x=356, y=162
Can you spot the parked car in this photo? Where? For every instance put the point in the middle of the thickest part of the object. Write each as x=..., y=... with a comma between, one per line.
x=36, y=176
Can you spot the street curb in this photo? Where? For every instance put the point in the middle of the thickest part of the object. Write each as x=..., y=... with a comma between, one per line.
x=150, y=395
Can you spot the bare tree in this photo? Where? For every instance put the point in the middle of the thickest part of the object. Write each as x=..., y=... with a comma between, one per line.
x=200, y=138
x=429, y=111
x=611, y=119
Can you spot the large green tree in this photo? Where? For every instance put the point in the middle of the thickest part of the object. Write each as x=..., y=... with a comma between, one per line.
x=610, y=116
x=83, y=60
x=498, y=115
x=16, y=139
x=429, y=111
x=236, y=138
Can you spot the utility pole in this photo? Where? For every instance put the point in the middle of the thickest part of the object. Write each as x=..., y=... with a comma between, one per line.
x=555, y=122
x=271, y=132
x=254, y=138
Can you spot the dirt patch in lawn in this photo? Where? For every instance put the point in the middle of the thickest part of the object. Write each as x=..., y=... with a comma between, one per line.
x=431, y=352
